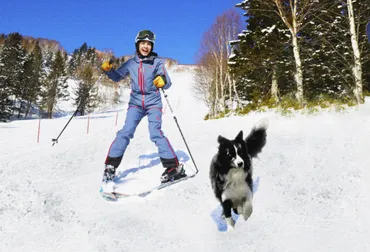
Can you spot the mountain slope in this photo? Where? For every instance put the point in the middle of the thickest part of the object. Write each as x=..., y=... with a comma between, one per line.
x=312, y=190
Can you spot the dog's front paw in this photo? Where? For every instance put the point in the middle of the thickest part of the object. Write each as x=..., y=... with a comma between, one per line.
x=240, y=209
x=230, y=229
x=247, y=210
x=230, y=224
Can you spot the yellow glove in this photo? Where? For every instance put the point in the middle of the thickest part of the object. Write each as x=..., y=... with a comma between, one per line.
x=159, y=81
x=107, y=65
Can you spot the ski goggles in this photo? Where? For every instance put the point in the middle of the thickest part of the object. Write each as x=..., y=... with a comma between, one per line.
x=145, y=34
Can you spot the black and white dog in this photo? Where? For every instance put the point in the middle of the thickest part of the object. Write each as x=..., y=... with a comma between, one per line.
x=231, y=171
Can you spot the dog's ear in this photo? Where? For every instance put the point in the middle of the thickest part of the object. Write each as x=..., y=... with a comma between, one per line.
x=221, y=139
x=239, y=136
x=223, y=147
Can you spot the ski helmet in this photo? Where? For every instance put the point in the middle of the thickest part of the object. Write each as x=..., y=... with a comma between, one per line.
x=145, y=35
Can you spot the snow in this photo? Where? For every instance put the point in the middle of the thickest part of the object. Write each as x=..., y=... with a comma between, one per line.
x=312, y=183
x=268, y=30
x=232, y=55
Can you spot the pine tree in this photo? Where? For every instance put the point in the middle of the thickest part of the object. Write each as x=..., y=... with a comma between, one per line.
x=55, y=87
x=365, y=44
x=263, y=58
x=13, y=59
x=86, y=93
x=324, y=52
x=85, y=54
x=5, y=91
x=329, y=53
x=82, y=67
x=362, y=17
x=33, y=75
x=2, y=40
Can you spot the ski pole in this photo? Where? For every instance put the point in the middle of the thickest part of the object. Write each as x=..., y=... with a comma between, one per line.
x=178, y=126
x=55, y=140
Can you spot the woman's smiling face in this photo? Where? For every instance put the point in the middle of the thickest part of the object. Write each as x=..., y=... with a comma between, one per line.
x=145, y=47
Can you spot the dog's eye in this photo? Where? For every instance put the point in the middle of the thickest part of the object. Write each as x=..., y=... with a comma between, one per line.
x=228, y=153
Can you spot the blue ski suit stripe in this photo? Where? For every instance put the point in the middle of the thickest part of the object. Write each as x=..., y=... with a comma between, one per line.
x=145, y=100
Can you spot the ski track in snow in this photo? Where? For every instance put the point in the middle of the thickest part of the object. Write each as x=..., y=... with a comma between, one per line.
x=313, y=184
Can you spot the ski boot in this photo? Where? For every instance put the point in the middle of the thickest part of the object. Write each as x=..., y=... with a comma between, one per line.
x=108, y=185
x=173, y=173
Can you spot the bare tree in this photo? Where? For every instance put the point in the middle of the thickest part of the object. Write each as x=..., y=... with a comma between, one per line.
x=213, y=58
x=357, y=66
x=354, y=62
x=205, y=87
x=233, y=23
x=294, y=13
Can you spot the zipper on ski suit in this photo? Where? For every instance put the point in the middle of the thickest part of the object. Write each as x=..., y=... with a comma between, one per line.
x=141, y=82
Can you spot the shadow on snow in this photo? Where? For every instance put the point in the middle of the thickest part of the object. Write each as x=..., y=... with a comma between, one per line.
x=154, y=161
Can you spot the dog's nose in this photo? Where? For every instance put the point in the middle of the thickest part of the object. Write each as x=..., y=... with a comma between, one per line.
x=240, y=164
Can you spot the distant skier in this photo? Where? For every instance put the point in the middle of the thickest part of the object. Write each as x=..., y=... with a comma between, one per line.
x=148, y=74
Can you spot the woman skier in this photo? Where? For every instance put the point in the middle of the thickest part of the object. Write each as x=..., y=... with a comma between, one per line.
x=148, y=74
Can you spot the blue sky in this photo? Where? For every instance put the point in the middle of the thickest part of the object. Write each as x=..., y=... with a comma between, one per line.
x=178, y=24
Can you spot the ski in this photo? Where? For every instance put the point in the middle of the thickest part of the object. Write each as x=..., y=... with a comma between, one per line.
x=114, y=196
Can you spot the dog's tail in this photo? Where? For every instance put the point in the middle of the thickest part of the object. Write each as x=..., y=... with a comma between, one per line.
x=256, y=139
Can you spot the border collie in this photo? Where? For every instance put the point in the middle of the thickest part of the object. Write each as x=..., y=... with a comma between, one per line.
x=231, y=171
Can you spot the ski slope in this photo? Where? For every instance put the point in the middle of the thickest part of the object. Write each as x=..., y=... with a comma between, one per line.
x=312, y=184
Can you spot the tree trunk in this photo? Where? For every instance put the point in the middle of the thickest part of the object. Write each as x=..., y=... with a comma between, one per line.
x=298, y=76
x=20, y=108
x=221, y=78
x=50, y=109
x=357, y=68
x=217, y=92
x=296, y=12
x=230, y=90
x=49, y=113
x=27, y=109
x=274, y=87
x=222, y=89
x=213, y=106
x=238, y=102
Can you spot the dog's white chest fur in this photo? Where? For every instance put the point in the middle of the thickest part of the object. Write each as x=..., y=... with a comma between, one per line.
x=236, y=187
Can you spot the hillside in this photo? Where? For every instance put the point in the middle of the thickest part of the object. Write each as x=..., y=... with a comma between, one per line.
x=312, y=190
